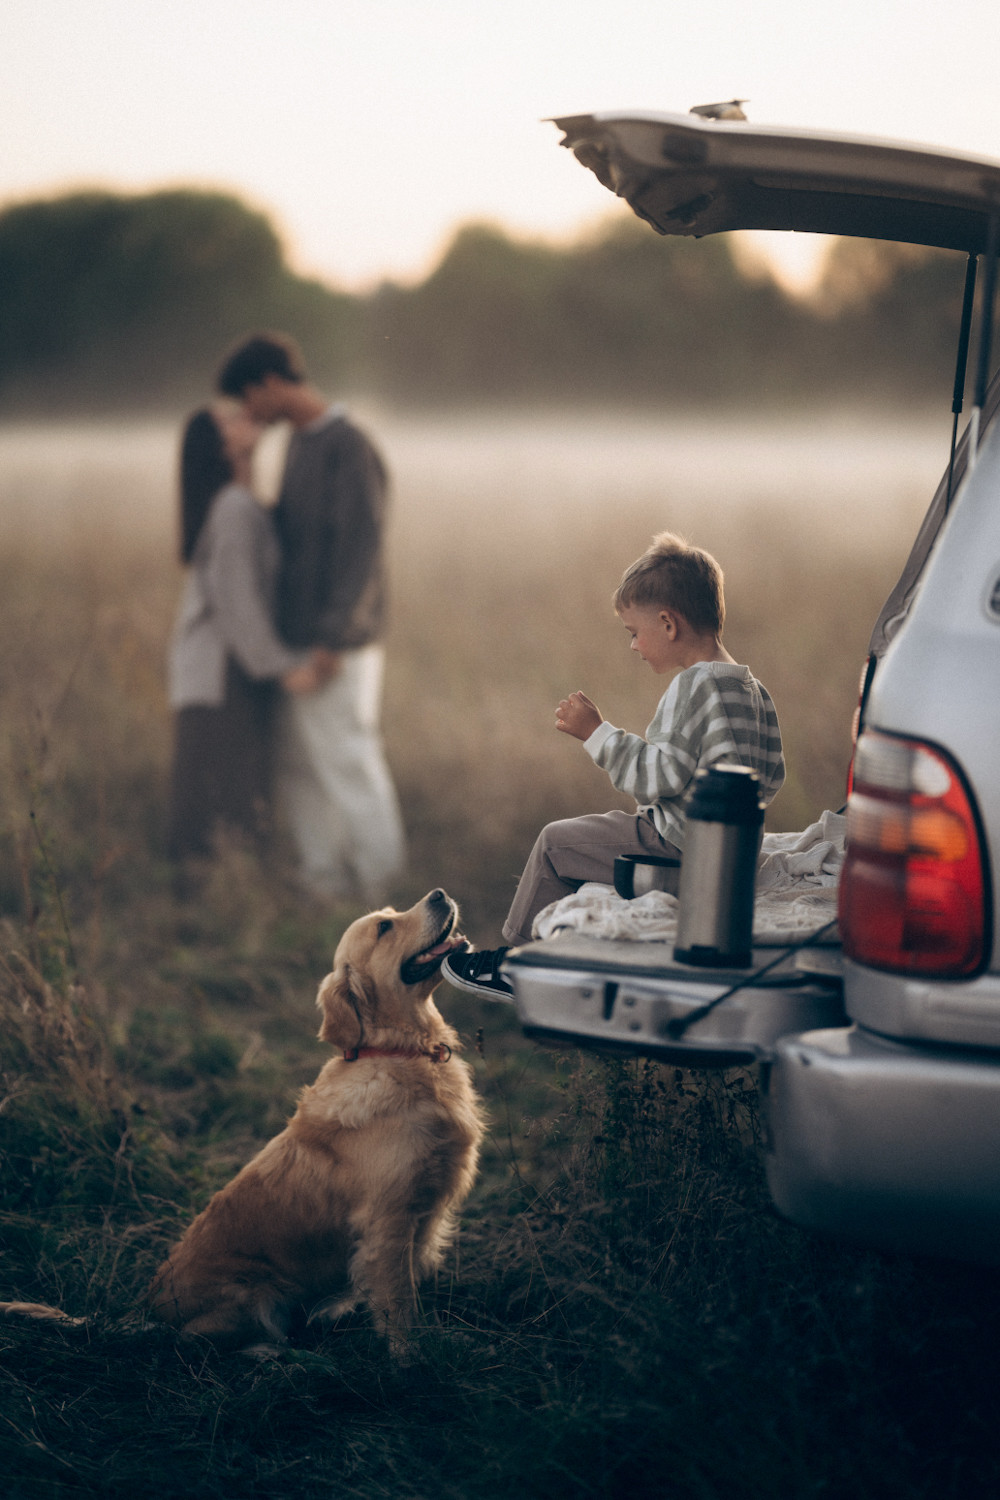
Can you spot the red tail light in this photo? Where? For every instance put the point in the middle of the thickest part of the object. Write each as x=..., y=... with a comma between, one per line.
x=914, y=896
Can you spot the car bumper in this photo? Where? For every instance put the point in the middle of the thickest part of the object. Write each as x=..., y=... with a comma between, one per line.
x=887, y=1144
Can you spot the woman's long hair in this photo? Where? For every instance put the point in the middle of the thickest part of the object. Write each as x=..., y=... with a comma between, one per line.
x=204, y=470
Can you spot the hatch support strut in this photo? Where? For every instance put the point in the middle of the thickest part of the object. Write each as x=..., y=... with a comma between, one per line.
x=985, y=336
x=961, y=366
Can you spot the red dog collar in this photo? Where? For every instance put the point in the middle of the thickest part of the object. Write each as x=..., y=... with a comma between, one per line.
x=439, y=1053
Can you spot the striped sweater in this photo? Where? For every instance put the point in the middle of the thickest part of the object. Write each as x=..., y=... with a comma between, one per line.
x=713, y=711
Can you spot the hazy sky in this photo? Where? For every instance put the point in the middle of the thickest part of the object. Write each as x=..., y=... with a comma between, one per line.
x=370, y=128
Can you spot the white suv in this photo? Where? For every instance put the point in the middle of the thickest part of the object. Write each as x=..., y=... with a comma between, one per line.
x=879, y=1045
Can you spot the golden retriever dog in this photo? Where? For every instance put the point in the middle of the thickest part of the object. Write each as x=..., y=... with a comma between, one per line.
x=354, y=1201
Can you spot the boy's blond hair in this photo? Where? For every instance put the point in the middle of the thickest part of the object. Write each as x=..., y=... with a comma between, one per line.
x=671, y=574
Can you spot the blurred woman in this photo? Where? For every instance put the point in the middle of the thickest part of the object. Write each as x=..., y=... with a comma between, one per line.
x=226, y=662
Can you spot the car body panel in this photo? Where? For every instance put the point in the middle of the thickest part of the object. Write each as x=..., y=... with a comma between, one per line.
x=940, y=678
x=900, y=600
x=965, y=1014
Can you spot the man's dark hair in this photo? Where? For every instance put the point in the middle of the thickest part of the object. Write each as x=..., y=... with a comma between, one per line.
x=257, y=357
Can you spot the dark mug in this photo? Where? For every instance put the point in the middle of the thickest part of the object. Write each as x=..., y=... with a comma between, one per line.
x=635, y=874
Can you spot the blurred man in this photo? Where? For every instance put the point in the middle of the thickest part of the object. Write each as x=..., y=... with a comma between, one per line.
x=332, y=776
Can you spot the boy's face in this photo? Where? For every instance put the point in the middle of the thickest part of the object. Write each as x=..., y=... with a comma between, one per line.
x=654, y=635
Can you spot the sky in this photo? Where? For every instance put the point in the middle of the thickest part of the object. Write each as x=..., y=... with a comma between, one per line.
x=370, y=129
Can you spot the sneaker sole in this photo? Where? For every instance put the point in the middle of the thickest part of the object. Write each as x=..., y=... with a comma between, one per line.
x=485, y=992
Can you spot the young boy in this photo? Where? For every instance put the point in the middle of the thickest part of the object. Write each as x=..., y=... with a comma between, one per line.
x=671, y=603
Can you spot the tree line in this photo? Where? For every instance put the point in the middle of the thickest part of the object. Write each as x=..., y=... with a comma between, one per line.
x=112, y=302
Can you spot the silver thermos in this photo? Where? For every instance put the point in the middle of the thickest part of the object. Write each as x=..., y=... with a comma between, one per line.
x=725, y=821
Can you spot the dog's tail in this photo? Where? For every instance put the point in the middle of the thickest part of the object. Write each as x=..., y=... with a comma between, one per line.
x=42, y=1312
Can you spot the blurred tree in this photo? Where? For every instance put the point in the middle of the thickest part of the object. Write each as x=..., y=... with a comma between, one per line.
x=620, y=316
x=106, y=299
x=110, y=301
x=471, y=331
x=892, y=312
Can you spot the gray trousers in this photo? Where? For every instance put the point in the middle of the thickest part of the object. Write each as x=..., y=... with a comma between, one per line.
x=575, y=850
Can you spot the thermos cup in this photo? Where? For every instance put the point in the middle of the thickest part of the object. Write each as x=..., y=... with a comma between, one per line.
x=725, y=821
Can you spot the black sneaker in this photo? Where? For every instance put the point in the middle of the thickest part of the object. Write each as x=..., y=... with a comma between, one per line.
x=479, y=973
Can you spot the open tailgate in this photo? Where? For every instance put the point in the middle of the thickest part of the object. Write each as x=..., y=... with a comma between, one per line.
x=614, y=995
x=690, y=176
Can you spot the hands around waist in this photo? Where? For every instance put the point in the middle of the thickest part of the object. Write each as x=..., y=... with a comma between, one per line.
x=322, y=666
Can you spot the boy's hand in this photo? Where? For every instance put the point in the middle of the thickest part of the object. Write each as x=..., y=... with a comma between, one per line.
x=576, y=715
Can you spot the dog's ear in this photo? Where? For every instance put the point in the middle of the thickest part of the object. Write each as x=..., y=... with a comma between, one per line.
x=343, y=1001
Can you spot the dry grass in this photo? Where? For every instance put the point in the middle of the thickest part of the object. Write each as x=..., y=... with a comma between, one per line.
x=622, y=1314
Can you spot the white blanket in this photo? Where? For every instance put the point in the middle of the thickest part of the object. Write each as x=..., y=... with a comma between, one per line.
x=796, y=893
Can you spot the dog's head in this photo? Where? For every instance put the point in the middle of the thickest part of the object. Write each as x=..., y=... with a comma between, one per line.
x=385, y=969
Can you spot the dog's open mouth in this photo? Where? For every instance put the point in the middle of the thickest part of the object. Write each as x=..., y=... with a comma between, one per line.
x=422, y=965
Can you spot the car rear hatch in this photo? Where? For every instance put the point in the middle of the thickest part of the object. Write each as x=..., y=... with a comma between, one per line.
x=690, y=176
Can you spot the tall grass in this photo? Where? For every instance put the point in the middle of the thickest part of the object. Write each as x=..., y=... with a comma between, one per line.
x=622, y=1313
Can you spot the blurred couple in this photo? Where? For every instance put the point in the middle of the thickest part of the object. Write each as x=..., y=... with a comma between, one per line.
x=275, y=666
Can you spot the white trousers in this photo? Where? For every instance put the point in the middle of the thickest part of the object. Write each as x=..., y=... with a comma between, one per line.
x=334, y=785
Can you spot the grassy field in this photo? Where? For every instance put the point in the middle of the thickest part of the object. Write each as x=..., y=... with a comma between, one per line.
x=622, y=1314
